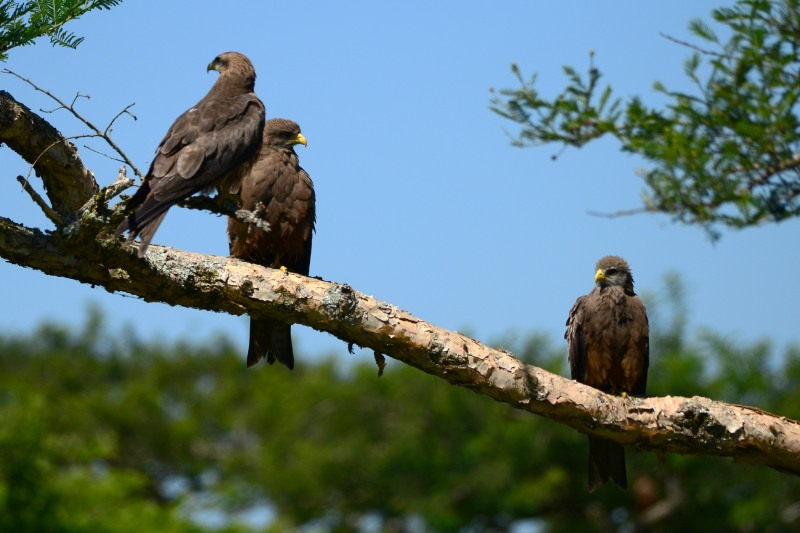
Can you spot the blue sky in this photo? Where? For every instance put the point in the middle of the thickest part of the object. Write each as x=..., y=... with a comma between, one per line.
x=422, y=201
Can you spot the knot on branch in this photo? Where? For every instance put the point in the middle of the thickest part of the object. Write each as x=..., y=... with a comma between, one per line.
x=700, y=422
x=440, y=354
x=340, y=301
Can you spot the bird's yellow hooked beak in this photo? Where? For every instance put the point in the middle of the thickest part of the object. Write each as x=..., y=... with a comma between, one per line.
x=599, y=276
x=300, y=139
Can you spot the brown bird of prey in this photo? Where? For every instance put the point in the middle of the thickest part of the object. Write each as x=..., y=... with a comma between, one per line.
x=277, y=184
x=205, y=144
x=608, y=338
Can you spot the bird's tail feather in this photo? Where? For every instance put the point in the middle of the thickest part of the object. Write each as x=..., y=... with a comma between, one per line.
x=147, y=232
x=270, y=340
x=145, y=220
x=606, y=463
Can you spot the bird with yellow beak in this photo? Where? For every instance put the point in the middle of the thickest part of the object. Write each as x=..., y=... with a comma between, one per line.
x=609, y=349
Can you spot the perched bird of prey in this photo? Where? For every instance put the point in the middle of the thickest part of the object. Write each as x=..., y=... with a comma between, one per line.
x=208, y=142
x=609, y=349
x=276, y=183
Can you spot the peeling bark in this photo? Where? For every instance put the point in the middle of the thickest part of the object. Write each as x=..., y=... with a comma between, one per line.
x=87, y=251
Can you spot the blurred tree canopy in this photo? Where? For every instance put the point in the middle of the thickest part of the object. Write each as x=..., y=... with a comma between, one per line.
x=725, y=154
x=102, y=432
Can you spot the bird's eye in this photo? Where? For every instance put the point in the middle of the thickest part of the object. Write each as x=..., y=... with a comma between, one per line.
x=611, y=271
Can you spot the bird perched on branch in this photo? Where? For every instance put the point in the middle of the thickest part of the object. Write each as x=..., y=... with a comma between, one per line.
x=204, y=146
x=609, y=346
x=277, y=184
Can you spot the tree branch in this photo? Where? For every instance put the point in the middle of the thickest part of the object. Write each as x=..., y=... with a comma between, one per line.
x=38, y=200
x=691, y=46
x=694, y=425
x=68, y=183
x=227, y=205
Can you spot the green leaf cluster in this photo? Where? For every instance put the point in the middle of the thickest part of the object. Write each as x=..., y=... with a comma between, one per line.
x=101, y=432
x=725, y=154
x=21, y=23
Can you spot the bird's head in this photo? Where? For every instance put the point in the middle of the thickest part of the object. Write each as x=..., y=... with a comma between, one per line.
x=217, y=64
x=613, y=271
x=283, y=133
x=235, y=64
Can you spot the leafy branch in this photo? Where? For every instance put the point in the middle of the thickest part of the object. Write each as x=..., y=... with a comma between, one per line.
x=23, y=22
x=725, y=154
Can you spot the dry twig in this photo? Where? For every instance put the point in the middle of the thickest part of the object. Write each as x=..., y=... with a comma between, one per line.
x=104, y=134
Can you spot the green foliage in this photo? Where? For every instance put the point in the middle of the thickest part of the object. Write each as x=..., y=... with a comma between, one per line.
x=100, y=432
x=23, y=22
x=726, y=154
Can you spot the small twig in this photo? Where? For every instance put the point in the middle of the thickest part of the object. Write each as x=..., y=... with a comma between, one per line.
x=98, y=152
x=692, y=46
x=563, y=149
x=623, y=212
x=98, y=203
x=62, y=105
x=64, y=140
x=122, y=183
x=123, y=112
x=71, y=108
x=54, y=217
x=79, y=95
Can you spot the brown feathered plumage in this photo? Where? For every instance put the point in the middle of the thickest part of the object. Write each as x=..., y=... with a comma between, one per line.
x=278, y=183
x=608, y=338
x=205, y=144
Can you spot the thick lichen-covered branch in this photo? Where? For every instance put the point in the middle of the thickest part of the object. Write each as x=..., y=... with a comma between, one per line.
x=669, y=424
